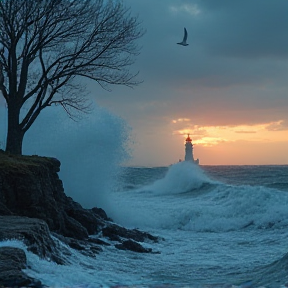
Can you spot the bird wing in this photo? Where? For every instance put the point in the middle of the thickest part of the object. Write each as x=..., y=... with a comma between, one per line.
x=185, y=35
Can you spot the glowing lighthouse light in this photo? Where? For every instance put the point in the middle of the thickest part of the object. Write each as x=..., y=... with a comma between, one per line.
x=189, y=151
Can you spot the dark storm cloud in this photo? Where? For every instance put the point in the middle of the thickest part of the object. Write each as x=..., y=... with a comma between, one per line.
x=236, y=61
x=231, y=42
x=246, y=28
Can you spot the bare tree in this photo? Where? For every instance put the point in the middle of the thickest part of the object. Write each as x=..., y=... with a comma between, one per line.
x=46, y=44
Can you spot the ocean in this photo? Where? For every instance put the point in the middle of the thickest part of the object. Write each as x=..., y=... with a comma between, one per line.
x=222, y=226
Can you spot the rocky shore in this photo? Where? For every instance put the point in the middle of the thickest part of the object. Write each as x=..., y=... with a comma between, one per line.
x=35, y=209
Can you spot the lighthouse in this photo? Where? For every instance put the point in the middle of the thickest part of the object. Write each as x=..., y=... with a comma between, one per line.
x=189, y=151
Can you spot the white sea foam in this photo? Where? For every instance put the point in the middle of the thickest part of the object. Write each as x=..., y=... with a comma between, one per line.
x=236, y=207
x=181, y=177
x=186, y=260
x=12, y=243
x=104, y=270
x=218, y=207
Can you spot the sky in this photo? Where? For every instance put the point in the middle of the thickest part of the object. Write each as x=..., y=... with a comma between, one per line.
x=228, y=89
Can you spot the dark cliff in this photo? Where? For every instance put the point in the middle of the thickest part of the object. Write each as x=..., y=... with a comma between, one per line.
x=33, y=203
x=30, y=186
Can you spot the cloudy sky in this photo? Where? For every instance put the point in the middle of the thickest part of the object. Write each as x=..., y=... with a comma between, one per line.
x=228, y=88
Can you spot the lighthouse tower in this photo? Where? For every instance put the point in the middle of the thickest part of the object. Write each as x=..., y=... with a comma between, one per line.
x=189, y=151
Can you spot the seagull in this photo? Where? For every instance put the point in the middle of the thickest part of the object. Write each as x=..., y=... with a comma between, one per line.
x=184, y=43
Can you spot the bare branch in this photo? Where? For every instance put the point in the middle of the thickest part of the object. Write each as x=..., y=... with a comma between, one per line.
x=50, y=43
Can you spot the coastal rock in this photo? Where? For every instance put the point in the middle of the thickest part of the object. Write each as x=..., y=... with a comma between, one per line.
x=133, y=246
x=12, y=261
x=30, y=186
x=114, y=232
x=87, y=218
x=99, y=212
x=128, y=238
x=34, y=233
x=86, y=247
x=33, y=203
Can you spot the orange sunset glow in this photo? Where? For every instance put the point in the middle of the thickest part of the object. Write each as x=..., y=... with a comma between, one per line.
x=237, y=144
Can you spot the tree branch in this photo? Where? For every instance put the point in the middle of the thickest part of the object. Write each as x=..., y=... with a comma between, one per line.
x=50, y=43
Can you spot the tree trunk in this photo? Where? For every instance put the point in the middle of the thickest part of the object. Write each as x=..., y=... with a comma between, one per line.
x=15, y=134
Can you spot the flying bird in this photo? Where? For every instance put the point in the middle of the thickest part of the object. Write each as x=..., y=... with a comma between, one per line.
x=184, y=43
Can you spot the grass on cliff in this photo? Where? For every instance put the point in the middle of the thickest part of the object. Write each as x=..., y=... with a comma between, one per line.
x=20, y=163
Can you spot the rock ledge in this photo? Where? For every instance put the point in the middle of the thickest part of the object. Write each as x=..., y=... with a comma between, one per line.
x=33, y=204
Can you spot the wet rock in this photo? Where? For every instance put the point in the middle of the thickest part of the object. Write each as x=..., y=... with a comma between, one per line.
x=32, y=201
x=12, y=261
x=34, y=233
x=30, y=186
x=101, y=213
x=98, y=241
x=87, y=218
x=133, y=246
x=86, y=247
x=128, y=238
x=116, y=231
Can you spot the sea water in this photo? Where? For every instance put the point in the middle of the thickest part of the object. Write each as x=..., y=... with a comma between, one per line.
x=222, y=226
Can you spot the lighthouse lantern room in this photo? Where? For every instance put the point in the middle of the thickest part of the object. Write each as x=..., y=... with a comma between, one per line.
x=189, y=151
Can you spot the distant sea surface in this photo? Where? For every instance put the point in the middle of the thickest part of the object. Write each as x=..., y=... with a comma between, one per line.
x=224, y=226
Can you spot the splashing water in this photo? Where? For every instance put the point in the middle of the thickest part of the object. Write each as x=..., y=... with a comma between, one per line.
x=90, y=151
x=181, y=177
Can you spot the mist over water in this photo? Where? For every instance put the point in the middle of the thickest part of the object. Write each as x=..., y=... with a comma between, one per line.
x=90, y=151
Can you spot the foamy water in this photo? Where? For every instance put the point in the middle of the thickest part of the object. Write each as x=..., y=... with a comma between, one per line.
x=215, y=234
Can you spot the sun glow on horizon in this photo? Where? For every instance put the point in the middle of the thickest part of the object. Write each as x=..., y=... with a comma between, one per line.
x=208, y=136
